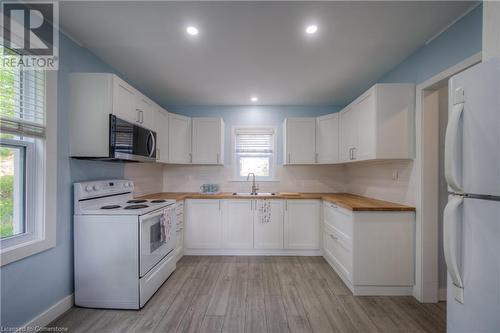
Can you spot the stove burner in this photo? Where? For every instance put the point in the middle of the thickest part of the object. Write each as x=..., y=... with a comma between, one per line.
x=136, y=201
x=158, y=201
x=136, y=206
x=110, y=207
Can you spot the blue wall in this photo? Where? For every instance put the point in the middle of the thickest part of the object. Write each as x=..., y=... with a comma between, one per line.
x=253, y=115
x=32, y=285
x=460, y=41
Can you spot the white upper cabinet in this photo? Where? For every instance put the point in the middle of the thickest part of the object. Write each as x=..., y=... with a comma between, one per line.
x=299, y=142
x=179, y=139
x=124, y=101
x=160, y=117
x=237, y=224
x=208, y=141
x=302, y=224
x=379, y=124
x=146, y=108
x=327, y=139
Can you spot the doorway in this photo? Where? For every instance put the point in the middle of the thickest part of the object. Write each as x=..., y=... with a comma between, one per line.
x=431, y=119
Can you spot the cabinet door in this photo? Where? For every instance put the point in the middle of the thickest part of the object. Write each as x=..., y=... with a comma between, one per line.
x=268, y=224
x=365, y=121
x=124, y=101
x=237, y=225
x=146, y=110
x=302, y=224
x=179, y=139
x=161, y=128
x=207, y=140
x=300, y=136
x=348, y=134
x=203, y=226
x=327, y=138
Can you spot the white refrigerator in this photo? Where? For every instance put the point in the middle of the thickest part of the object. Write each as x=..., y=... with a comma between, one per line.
x=471, y=228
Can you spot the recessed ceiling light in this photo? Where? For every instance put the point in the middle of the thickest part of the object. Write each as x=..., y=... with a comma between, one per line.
x=193, y=31
x=311, y=29
x=254, y=99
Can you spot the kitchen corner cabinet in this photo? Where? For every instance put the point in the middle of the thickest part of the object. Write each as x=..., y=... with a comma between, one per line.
x=203, y=224
x=179, y=139
x=299, y=140
x=207, y=141
x=302, y=219
x=237, y=223
x=161, y=127
x=372, y=251
x=379, y=124
x=327, y=139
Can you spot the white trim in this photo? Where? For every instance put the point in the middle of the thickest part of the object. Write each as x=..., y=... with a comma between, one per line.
x=251, y=252
x=48, y=200
x=442, y=294
x=426, y=289
x=49, y=315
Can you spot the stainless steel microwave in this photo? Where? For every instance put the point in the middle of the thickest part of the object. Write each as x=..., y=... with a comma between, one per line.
x=130, y=142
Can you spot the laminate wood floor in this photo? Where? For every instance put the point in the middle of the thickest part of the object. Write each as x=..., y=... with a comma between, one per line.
x=260, y=294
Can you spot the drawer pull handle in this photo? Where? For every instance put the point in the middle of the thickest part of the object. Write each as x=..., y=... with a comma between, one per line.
x=334, y=237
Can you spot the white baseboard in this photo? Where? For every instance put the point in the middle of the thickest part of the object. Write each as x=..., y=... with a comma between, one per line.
x=49, y=315
x=442, y=294
x=251, y=252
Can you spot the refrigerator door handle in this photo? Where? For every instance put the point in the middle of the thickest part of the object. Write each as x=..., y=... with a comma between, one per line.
x=450, y=219
x=450, y=147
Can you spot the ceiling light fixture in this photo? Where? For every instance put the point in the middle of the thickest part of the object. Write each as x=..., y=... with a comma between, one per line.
x=193, y=31
x=311, y=29
x=254, y=99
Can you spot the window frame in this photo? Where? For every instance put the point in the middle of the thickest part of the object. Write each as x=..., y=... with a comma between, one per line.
x=44, y=197
x=235, y=160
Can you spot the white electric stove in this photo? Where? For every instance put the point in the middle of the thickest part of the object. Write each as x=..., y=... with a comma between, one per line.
x=123, y=246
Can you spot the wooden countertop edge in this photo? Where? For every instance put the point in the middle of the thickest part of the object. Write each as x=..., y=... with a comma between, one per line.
x=345, y=200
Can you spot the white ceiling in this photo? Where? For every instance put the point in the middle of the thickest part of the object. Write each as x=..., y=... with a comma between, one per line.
x=247, y=48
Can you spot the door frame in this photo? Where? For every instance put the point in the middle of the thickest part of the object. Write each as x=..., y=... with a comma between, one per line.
x=426, y=287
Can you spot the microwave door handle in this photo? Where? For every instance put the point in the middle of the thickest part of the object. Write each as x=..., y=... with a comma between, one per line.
x=153, y=144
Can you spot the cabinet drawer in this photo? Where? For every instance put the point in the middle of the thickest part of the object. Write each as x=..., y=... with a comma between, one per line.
x=339, y=249
x=338, y=218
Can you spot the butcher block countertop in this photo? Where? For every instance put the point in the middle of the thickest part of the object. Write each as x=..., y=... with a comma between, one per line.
x=349, y=201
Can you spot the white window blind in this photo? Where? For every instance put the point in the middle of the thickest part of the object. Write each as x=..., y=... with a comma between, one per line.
x=256, y=141
x=22, y=102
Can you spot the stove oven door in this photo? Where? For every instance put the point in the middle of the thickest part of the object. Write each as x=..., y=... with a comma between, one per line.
x=157, y=237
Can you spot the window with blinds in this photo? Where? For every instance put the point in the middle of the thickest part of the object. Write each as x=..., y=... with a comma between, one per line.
x=254, y=152
x=22, y=102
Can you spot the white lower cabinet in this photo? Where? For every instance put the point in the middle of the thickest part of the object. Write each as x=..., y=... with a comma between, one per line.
x=302, y=219
x=237, y=224
x=268, y=224
x=203, y=224
x=373, y=252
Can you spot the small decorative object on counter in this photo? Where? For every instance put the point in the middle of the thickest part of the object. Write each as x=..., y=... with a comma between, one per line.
x=209, y=189
x=265, y=211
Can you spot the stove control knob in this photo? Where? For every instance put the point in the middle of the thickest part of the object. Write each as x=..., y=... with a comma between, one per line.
x=95, y=187
x=88, y=188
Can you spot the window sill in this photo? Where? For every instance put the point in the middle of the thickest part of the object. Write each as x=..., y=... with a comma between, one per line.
x=24, y=250
x=235, y=180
